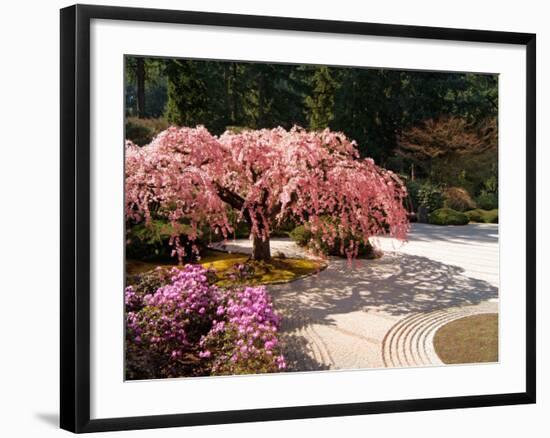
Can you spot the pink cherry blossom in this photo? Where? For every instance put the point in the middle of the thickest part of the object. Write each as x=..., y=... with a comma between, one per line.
x=266, y=176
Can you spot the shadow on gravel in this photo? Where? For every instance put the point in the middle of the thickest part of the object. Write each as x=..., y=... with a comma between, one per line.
x=295, y=349
x=398, y=284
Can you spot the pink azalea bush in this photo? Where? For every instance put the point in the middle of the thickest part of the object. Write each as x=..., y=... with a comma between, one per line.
x=268, y=177
x=189, y=327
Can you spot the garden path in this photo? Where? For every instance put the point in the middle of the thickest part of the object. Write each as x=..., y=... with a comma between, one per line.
x=384, y=313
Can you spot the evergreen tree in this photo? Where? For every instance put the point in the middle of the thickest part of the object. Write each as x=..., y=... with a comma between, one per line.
x=320, y=103
x=187, y=93
x=372, y=106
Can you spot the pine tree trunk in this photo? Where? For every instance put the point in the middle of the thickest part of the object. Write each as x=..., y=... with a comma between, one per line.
x=261, y=249
x=140, y=73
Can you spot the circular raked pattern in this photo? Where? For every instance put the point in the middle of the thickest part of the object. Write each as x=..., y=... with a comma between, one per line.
x=410, y=342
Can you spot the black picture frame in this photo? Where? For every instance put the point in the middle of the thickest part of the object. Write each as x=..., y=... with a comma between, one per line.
x=75, y=217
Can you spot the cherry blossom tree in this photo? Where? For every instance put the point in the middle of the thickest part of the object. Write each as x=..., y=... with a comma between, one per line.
x=266, y=177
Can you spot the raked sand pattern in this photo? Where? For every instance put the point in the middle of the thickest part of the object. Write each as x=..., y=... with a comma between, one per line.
x=385, y=312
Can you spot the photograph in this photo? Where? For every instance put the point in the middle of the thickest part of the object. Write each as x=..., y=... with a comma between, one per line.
x=296, y=217
x=268, y=219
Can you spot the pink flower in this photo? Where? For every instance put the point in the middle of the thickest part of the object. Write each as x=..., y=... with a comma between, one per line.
x=242, y=339
x=281, y=362
x=296, y=173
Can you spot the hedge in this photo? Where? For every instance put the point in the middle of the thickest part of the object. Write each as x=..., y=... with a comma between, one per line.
x=447, y=216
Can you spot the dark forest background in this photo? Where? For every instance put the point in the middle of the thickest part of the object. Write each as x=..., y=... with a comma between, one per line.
x=431, y=127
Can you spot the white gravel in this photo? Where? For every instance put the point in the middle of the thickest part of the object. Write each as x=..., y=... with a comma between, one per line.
x=339, y=318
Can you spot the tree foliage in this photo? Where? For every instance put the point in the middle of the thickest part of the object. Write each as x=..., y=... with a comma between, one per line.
x=187, y=93
x=371, y=105
x=445, y=137
x=146, y=82
x=320, y=103
x=267, y=176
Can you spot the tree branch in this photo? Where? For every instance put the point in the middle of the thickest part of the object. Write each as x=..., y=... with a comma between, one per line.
x=229, y=197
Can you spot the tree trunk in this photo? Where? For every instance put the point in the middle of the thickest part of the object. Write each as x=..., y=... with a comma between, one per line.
x=140, y=73
x=260, y=249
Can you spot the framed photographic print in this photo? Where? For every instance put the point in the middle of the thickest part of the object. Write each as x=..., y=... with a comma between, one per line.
x=268, y=218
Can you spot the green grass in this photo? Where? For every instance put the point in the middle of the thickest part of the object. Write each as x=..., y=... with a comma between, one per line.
x=471, y=339
x=278, y=270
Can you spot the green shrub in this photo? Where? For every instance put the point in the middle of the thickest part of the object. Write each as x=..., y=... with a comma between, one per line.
x=147, y=283
x=242, y=231
x=301, y=235
x=491, y=184
x=483, y=216
x=477, y=215
x=473, y=172
x=366, y=250
x=447, y=216
x=487, y=200
x=283, y=229
x=305, y=238
x=147, y=242
x=152, y=242
x=142, y=131
x=492, y=216
x=429, y=197
x=413, y=188
x=458, y=199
